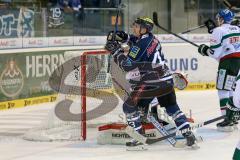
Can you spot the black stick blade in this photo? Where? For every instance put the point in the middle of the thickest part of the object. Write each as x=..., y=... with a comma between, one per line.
x=155, y=18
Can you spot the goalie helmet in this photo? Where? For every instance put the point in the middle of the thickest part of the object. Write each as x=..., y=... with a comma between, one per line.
x=226, y=15
x=145, y=22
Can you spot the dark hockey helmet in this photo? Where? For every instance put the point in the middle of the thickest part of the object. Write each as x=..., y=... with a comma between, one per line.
x=145, y=22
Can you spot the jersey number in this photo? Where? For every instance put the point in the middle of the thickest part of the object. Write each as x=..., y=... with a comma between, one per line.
x=56, y=12
x=158, y=58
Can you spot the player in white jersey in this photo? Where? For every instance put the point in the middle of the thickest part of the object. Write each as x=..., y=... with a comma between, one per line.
x=225, y=48
x=233, y=110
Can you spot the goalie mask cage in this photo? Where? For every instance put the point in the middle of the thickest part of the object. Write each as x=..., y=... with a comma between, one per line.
x=88, y=80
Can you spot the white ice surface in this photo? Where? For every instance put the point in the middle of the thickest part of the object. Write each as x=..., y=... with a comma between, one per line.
x=204, y=105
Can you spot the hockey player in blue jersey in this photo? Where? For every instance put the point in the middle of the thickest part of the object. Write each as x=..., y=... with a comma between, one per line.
x=149, y=75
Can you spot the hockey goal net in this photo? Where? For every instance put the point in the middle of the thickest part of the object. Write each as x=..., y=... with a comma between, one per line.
x=86, y=98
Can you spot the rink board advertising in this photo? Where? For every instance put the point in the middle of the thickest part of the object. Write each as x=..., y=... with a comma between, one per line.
x=25, y=75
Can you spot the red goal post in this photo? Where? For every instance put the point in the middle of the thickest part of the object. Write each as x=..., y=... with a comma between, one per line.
x=83, y=83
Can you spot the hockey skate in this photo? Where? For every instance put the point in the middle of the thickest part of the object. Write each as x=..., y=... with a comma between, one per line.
x=191, y=140
x=134, y=145
x=227, y=126
x=235, y=125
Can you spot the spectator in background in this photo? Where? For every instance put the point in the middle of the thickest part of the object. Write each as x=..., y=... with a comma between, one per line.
x=75, y=5
x=77, y=8
x=72, y=6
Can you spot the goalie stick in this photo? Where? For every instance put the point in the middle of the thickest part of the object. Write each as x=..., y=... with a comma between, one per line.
x=161, y=129
x=146, y=140
x=164, y=132
x=155, y=20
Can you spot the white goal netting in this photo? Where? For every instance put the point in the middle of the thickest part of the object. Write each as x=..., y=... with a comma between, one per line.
x=67, y=120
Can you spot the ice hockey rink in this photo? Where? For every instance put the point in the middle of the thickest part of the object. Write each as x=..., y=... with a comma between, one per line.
x=204, y=105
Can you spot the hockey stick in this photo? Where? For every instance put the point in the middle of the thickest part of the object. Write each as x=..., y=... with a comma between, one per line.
x=199, y=125
x=120, y=86
x=120, y=6
x=192, y=29
x=164, y=132
x=116, y=22
x=155, y=20
x=229, y=6
x=146, y=140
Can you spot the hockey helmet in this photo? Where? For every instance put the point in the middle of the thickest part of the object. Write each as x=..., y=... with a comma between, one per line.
x=226, y=15
x=145, y=22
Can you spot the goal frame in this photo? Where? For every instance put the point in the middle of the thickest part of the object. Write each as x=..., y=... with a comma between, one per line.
x=83, y=84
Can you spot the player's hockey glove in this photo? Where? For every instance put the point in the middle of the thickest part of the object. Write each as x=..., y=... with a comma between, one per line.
x=232, y=112
x=210, y=25
x=205, y=50
x=236, y=22
x=112, y=46
x=119, y=36
x=119, y=57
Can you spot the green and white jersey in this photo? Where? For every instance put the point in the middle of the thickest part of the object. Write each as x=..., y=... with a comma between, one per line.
x=236, y=155
x=225, y=40
x=236, y=92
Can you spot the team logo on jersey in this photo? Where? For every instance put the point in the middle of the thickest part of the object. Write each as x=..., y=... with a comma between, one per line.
x=213, y=40
x=11, y=79
x=153, y=46
x=134, y=51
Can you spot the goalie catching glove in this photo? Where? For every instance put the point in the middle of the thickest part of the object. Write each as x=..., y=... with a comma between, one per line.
x=119, y=36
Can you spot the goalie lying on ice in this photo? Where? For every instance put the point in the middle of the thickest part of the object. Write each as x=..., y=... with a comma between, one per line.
x=150, y=76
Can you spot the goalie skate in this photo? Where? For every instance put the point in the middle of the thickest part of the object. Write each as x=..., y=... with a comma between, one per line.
x=136, y=146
